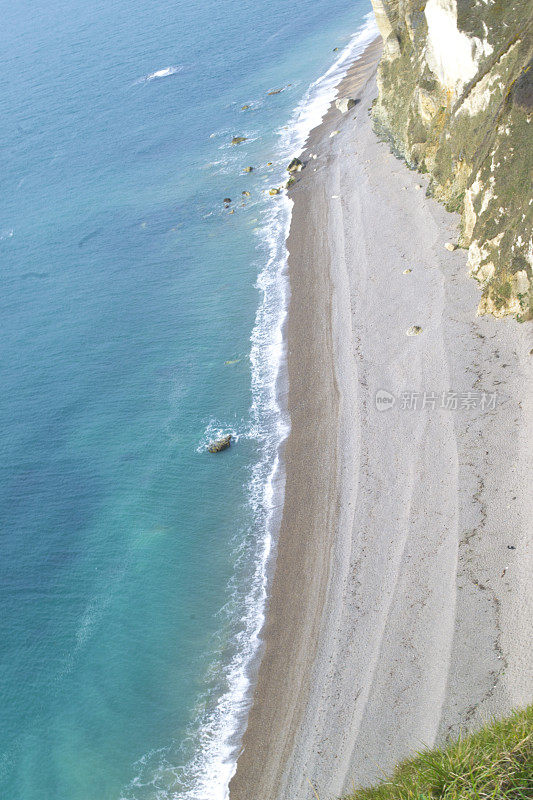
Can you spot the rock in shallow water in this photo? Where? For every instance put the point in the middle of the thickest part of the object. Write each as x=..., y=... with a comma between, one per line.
x=220, y=444
x=295, y=166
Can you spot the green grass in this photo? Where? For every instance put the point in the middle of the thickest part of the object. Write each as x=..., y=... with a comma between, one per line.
x=495, y=763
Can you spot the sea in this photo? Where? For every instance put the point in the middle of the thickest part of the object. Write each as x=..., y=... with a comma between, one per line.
x=142, y=317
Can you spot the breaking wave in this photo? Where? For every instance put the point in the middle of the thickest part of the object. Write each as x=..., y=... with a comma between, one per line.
x=159, y=73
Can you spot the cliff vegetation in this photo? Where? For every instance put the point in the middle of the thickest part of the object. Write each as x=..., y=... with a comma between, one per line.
x=496, y=763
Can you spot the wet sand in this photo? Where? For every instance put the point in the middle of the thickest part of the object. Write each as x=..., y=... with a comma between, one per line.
x=400, y=608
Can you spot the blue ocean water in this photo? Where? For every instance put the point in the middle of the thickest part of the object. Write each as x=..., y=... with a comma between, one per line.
x=139, y=318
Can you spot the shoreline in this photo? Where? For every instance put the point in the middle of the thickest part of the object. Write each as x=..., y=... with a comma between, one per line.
x=397, y=611
x=293, y=565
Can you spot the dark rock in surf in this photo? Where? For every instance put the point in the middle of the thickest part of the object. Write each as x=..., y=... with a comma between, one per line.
x=295, y=166
x=220, y=444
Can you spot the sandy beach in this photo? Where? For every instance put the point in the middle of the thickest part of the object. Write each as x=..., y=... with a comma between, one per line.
x=400, y=608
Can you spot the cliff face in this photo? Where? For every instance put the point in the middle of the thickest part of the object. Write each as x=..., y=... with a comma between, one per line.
x=456, y=101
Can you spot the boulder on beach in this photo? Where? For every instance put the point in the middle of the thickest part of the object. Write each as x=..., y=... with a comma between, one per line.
x=344, y=104
x=414, y=330
x=220, y=444
x=295, y=166
x=238, y=139
x=450, y=246
x=290, y=182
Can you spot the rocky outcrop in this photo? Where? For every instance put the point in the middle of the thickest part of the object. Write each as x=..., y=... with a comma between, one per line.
x=295, y=166
x=456, y=100
x=220, y=444
x=344, y=104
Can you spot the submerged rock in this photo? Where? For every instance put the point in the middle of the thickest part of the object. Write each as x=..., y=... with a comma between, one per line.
x=245, y=194
x=245, y=108
x=295, y=166
x=238, y=139
x=220, y=444
x=274, y=191
x=227, y=200
x=248, y=169
x=344, y=104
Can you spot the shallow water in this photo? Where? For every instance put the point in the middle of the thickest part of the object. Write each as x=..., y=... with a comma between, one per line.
x=139, y=319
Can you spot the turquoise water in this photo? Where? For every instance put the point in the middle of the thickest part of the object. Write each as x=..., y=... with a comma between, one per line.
x=133, y=564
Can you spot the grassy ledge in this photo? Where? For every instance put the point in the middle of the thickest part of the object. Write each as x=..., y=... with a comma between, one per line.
x=495, y=763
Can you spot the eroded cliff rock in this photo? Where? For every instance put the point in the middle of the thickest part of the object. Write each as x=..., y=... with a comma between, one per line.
x=456, y=101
